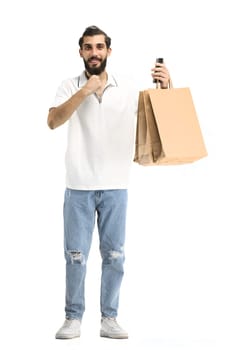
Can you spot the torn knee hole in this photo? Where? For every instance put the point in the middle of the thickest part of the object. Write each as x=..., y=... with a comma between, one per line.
x=76, y=257
x=114, y=254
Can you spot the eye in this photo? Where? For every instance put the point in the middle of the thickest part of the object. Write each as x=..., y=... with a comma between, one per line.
x=100, y=46
x=87, y=47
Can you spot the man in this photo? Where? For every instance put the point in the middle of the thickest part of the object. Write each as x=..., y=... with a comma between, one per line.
x=101, y=111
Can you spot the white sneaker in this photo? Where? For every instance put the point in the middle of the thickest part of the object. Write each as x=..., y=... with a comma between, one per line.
x=69, y=330
x=111, y=329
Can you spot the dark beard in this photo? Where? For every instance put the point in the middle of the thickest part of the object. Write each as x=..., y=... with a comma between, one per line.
x=95, y=70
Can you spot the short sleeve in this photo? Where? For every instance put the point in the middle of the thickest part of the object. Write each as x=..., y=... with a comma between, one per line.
x=63, y=93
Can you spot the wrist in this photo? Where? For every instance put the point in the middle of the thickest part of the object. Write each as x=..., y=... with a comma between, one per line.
x=85, y=92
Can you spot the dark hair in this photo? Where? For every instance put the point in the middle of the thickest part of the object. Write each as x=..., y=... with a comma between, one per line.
x=93, y=30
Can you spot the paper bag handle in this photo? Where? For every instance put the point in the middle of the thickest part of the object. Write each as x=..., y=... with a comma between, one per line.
x=170, y=85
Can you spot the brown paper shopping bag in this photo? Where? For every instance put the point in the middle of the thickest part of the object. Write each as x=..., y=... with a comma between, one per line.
x=168, y=130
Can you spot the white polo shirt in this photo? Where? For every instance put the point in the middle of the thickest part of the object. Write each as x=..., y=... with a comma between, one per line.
x=101, y=135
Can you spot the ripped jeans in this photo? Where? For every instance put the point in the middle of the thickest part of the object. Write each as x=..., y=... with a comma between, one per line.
x=80, y=210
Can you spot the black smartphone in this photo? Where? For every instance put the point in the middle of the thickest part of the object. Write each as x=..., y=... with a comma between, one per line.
x=158, y=60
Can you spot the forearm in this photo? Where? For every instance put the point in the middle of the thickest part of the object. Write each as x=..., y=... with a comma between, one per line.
x=59, y=115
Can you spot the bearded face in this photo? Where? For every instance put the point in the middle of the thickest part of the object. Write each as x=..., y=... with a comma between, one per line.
x=94, y=52
x=95, y=65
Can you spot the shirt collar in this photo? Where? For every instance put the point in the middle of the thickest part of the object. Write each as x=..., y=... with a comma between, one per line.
x=82, y=79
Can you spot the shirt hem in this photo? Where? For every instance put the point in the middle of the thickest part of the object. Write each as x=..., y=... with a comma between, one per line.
x=97, y=187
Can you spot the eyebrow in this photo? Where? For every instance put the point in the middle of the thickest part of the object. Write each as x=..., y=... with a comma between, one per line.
x=97, y=44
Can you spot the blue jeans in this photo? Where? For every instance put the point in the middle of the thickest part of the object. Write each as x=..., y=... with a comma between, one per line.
x=80, y=209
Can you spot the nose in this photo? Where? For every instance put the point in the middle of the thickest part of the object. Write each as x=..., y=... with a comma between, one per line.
x=94, y=51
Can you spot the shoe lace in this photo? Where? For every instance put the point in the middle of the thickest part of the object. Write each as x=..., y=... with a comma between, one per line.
x=69, y=324
x=113, y=322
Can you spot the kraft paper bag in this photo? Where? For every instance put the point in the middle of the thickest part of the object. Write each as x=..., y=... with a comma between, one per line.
x=168, y=130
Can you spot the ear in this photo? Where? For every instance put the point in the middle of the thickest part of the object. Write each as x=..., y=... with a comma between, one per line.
x=80, y=53
x=109, y=52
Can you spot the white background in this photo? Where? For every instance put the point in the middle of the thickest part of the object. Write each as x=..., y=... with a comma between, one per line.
x=177, y=291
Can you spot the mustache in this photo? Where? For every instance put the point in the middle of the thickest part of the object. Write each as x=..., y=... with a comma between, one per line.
x=94, y=58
